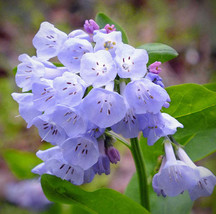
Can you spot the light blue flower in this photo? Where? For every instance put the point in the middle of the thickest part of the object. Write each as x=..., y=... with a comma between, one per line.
x=29, y=71
x=174, y=176
x=79, y=34
x=44, y=96
x=70, y=120
x=70, y=89
x=55, y=164
x=129, y=126
x=155, y=126
x=26, y=107
x=131, y=62
x=103, y=108
x=97, y=68
x=72, y=51
x=205, y=180
x=49, y=130
x=81, y=151
x=48, y=41
x=108, y=42
x=145, y=97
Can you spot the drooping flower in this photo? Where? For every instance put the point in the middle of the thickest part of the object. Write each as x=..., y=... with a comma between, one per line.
x=145, y=97
x=70, y=89
x=72, y=51
x=81, y=151
x=79, y=34
x=26, y=106
x=155, y=126
x=48, y=41
x=205, y=180
x=131, y=62
x=97, y=68
x=29, y=71
x=49, y=130
x=103, y=108
x=44, y=96
x=55, y=164
x=174, y=177
x=70, y=120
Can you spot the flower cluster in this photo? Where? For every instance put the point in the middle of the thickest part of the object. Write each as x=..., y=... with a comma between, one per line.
x=102, y=84
x=178, y=175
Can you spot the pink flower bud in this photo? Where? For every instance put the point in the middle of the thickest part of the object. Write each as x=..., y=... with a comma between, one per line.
x=109, y=28
x=154, y=67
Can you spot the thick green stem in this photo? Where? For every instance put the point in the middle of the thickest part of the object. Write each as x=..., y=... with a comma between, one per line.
x=141, y=172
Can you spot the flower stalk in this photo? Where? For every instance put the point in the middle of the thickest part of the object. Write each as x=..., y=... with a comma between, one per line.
x=141, y=173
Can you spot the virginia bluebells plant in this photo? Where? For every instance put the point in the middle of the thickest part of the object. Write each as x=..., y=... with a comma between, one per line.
x=101, y=85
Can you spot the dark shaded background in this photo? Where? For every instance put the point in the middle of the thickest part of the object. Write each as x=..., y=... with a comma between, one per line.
x=187, y=26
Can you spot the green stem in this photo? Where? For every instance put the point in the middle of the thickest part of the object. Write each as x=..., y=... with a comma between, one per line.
x=141, y=172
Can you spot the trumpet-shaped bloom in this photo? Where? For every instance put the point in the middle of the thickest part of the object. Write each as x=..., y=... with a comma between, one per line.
x=103, y=108
x=205, y=180
x=26, y=106
x=79, y=34
x=145, y=96
x=55, y=164
x=81, y=151
x=29, y=71
x=155, y=126
x=174, y=177
x=44, y=96
x=129, y=126
x=131, y=62
x=48, y=41
x=70, y=120
x=70, y=89
x=72, y=51
x=97, y=68
x=49, y=130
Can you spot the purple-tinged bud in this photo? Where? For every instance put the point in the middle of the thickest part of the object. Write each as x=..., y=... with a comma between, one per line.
x=154, y=67
x=90, y=26
x=113, y=154
x=110, y=28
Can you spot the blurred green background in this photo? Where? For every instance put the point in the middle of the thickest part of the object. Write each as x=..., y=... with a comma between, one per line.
x=187, y=26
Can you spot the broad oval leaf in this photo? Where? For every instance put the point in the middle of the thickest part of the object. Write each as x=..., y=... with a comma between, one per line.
x=159, y=52
x=104, y=201
x=195, y=107
x=103, y=19
x=21, y=163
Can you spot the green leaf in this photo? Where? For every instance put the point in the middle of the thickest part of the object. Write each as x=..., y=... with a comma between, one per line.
x=103, y=19
x=100, y=201
x=159, y=52
x=210, y=86
x=21, y=163
x=195, y=107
